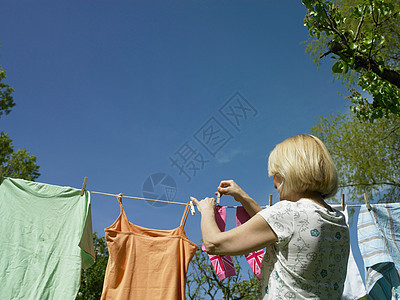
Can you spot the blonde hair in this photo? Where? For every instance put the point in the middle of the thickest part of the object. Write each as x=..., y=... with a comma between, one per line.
x=305, y=165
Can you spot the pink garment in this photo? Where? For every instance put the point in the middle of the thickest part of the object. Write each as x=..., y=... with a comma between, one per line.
x=222, y=264
x=255, y=258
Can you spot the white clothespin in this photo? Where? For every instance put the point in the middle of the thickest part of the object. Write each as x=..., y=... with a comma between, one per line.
x=218, y=197
x=192, y=211
x=83, y=186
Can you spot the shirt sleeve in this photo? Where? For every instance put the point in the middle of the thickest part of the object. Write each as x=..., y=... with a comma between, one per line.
x=280, y=218
x=86, y=242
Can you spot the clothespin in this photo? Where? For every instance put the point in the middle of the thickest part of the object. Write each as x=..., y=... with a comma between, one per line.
x=366, y=201
x=83, y=186
x=218, y=197
x=192, y=211
x=270, y=199
x=119, y=197
x=342, y=201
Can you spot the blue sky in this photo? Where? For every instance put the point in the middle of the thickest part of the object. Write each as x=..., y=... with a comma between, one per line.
x=117, y=90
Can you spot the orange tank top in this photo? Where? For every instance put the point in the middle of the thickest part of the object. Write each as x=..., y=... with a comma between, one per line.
x=146, y=263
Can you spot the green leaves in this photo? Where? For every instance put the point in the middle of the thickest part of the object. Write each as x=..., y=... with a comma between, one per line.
x=92, y=278
x=307, y=3
x=202, y=281
x=357, y=12
x=383, y=9
x=6, y=147
x=337, y=67
x=385, y=98
x=340, y=67
x=364, y=35
x=18, y=164
x=352, y=143
x=6, y=100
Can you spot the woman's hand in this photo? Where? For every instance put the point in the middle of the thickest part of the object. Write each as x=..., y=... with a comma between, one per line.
x=205, y=205
x=229, y=187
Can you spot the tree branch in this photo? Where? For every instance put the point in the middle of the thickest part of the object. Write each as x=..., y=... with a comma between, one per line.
x=369, y=184
x=367, y=63
x=325, y=54
x=359, y=24
x=333, y=26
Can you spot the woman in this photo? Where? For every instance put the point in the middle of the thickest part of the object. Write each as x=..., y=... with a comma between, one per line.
x=307, y=242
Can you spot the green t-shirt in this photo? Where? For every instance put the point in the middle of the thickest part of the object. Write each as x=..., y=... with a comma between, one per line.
x=46, y=238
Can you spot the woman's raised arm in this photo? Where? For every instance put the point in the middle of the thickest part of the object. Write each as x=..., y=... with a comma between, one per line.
x=253, y=235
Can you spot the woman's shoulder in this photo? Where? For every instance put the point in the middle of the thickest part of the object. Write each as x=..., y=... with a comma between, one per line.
x=287, y=204
x=307, y=205
x=322, y=213
x=281, y=209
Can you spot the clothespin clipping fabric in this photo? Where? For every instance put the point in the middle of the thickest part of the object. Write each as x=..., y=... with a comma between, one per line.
x=218, y=197
x=83, y=186
x=367, y=201
x=192, y=211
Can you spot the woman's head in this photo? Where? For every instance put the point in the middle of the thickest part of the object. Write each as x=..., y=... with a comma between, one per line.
x=303, y=164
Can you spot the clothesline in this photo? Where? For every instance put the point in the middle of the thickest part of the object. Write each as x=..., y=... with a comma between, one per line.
x=139, y=198
x=184, y=203
x=191, y=203
x=342, y=202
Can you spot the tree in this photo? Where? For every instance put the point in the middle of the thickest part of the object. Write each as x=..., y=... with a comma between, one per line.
x=364, y=38
x=367, y=155
x=203, y=283
x=92, y=279
x=17, y=164
x=6, y=100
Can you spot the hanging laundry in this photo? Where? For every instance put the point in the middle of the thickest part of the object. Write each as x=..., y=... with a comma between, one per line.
x=379, y=242
x=46, y=238
x=255, y=258
x=146, y=263
x=354, y=287
x=223, y=265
